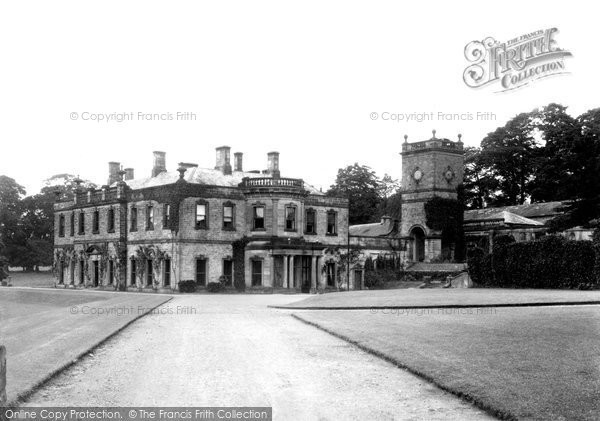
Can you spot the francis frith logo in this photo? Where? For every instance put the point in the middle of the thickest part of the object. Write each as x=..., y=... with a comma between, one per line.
x=514, y=63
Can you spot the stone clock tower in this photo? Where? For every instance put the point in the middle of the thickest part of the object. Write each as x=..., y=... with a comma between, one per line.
x=432, y=167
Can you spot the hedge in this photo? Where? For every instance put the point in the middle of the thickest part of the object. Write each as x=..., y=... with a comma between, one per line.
x=187, y=286
x=551, y=262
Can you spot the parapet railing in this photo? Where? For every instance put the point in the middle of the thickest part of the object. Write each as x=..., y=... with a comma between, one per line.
x=272, y=182
x=436, y=143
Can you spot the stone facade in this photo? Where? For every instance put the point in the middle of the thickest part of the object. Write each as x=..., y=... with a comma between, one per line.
x=151, y=233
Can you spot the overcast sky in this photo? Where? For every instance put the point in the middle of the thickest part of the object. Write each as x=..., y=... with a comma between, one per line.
x=301, y=78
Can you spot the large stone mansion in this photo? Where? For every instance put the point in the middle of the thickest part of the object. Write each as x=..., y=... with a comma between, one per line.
x=199, y=224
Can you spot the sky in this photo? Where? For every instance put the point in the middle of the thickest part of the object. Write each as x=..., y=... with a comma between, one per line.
x=302, y=78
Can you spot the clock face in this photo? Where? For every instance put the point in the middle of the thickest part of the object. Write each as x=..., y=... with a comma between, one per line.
x=418, y=174
x=449, y=174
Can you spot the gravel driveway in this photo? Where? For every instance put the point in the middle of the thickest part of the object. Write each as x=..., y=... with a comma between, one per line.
x=222, y=350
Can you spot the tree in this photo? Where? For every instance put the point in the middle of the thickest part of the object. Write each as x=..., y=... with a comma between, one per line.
x=583, y=205
x=10, y=209
x=391, y=198
x=509, y=153
x=362, y=187
x=480, y=185
x=557, y=162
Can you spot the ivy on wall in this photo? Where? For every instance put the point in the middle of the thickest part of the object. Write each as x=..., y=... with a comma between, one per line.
x=239, y=268
x=446, y=215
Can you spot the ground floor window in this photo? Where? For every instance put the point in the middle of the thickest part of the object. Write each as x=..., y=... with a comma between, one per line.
x=256, y=273
x=228, y=270
x=167, y=272
x=133, y=271
x=201, y=271
x=96, y=273
x=81, y=271
x=149, y=276
x=61, y=272
x=330, y=271
x=111, y=272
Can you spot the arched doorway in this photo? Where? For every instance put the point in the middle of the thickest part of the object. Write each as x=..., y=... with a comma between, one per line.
x=418, y=239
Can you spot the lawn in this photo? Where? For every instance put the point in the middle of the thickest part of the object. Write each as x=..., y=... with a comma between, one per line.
x=42, y=279
x=443, y=297
x=44, y=330
x=526, y=362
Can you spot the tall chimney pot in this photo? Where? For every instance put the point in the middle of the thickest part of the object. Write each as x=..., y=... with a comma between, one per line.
x=273, y=168
x=160, y=163
x=113, y=172
x=129, y=174
x=237, y=161
x=223, y=163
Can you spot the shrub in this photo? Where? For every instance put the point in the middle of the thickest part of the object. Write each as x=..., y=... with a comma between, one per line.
x=376, y=279
x=479, y=263
x=187, y=286
x=215, y=287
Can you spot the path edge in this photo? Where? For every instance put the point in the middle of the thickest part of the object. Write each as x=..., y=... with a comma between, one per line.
x=503, y=415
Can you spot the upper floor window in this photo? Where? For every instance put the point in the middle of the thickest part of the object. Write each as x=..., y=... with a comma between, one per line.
x=149, y=217
x=311, y=222
x=228, y=212
x=259, y=218
x=166, y=216
x=201, y=215
x=331, y=222
x=72, y=224
x=111, y=220
x=290, y=218
x=81, y=223
x=61, y=226
x=96, y=222
x=134, y=214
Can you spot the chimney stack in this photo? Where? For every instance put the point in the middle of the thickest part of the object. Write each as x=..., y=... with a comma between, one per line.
x=273, y=168
x=223, y=164
x=129, y=174
x=113, y=172
x=237, y=161
x=159, y=163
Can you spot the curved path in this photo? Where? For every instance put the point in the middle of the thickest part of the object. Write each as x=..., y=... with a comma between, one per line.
x=224, y=350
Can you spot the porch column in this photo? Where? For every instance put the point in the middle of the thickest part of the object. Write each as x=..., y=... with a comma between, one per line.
x=285, y=283
x=313, y=274
x=161, y=274
x=272, y=271
x=322, y=279
x=292, y=283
